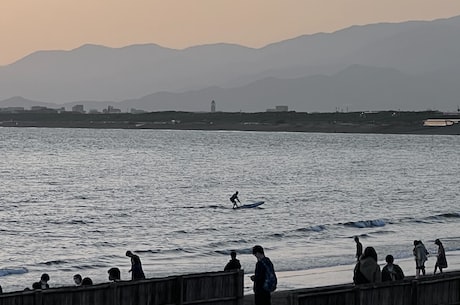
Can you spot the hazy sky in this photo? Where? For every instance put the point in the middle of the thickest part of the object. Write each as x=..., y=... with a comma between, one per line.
x=30, y=25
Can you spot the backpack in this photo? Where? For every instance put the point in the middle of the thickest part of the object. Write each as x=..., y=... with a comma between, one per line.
x=270, y=276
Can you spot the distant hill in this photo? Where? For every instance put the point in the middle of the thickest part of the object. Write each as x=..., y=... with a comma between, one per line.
x=356, y=88
x=411, y=65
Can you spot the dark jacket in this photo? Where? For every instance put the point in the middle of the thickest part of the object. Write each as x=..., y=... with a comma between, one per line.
x=233, y=264
x=367, y=271
x=136, y=268
x=392, y=274
x=260, y=274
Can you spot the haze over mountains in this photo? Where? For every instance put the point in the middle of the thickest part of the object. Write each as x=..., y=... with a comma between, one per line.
x=407, y=66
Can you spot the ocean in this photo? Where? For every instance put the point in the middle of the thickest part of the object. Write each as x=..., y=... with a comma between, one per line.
x=75, y=200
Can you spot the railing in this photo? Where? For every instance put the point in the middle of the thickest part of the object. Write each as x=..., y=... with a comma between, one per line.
x=213, y=288
x=430, y=290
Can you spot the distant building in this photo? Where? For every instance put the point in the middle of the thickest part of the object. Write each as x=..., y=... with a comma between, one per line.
x=43, y=109
x=111, y=109
x=12, y=109
x=213, y=106
x=93, y=111
x=279, y=109
x=78, y=108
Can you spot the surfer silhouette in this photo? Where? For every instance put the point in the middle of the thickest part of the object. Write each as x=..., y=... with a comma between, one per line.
x=234, y=198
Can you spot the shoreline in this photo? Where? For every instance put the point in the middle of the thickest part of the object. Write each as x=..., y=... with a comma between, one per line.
x=382, y=122
x=323, y=127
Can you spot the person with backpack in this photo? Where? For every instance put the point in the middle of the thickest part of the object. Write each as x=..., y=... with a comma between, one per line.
x=421, y=256
x=367, y=270
x=264, y=277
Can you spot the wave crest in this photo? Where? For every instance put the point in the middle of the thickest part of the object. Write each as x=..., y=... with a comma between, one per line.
x=8, y=271
x=366, y=223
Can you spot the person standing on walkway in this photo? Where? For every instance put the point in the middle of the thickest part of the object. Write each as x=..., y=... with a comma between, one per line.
x=359, y=248
x=441, y=261
x=367, y=270
x=136, y=267
x=77, y=279
x=391, y=272
x=233, y=263
x=114, y=274
x=264, y=277
x=420, y=254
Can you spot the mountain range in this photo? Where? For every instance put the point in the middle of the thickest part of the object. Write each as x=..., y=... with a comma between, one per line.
x=411, y=65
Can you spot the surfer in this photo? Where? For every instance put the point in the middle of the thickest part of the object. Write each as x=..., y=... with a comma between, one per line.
x=234, y=198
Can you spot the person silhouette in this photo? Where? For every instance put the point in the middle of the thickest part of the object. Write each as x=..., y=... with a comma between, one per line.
x=77, y=279
x=233, y=263
x=367, y=269
x=87, y=281
x=359, y=248
x=234, y=198
x=43, y=283
x=264, y=270
x=114, y=274
x=441, y=261
x=136, y=266
x=391, y=272
x=421, y=256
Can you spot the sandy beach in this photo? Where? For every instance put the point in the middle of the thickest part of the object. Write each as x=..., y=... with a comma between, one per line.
x=288, y=280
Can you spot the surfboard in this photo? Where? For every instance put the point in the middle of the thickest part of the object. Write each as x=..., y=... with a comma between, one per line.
x=251, y=205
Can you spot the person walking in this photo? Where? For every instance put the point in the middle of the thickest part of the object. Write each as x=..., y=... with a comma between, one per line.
x=136, y=267
x=421, y=257
x=441, y=261
x=233, y=263
x=264, y=277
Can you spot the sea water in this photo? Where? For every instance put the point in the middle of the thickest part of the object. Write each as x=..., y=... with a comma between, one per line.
x=75, y=200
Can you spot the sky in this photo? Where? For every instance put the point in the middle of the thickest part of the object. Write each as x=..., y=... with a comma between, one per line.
x=27, y=26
